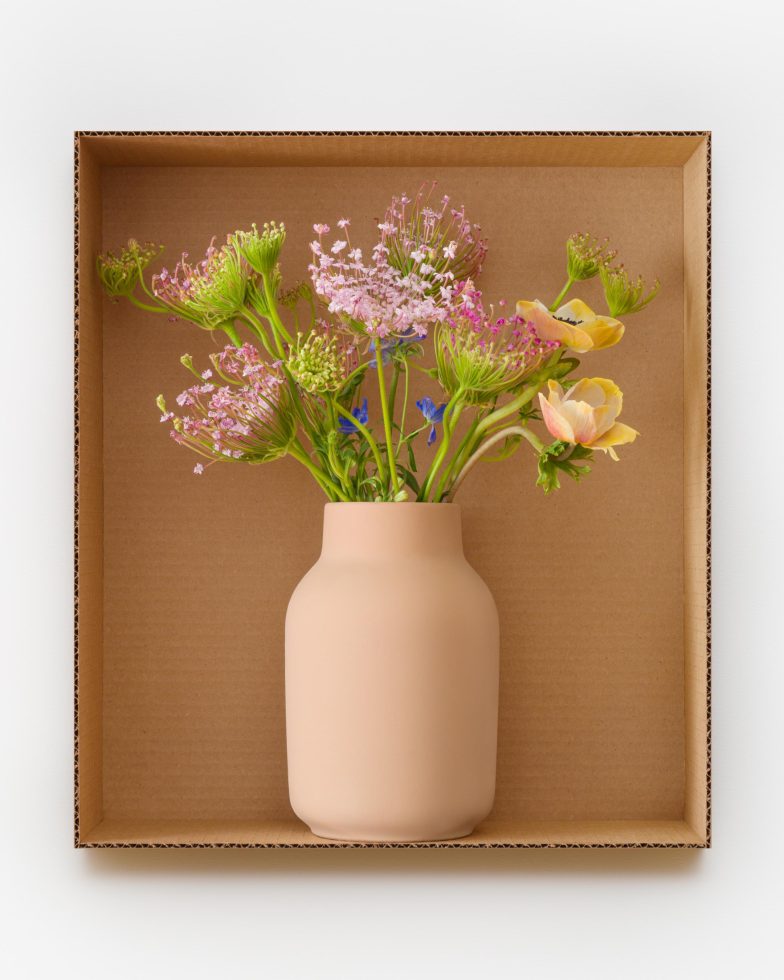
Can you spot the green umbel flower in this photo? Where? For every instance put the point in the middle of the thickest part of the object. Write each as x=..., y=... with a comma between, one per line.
x=120, y=274
x=261, y=249
x=320, y=363
x=624, y=296
x=210, y=293
x=586, y=256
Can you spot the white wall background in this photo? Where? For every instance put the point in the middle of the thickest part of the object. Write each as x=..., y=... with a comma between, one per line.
x=403, y=65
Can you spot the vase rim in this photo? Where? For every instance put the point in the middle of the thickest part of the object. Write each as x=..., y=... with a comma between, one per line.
x=390, y=503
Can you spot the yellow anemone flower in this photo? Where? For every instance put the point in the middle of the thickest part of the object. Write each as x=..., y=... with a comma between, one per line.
x=586, y=414
x=574, y=325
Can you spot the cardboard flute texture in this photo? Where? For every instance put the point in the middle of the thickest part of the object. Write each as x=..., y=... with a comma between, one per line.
x=183, y=581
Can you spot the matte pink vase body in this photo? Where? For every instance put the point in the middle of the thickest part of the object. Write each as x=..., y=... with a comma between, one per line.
x=391, y=679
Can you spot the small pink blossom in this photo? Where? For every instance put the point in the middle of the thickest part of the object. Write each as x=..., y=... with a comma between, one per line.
x=344, y=223
x=243, y=419
x=321, y=230
x=338, y=247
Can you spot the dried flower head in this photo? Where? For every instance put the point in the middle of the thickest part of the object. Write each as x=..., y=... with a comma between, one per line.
x=624, y=296
x=321, y=362
x=586, y=256
x=261, y=249
x=433, y=239
x=249, y=419
x=209, y=293
x=482, y=355
x=120, y=274
x=300, y=291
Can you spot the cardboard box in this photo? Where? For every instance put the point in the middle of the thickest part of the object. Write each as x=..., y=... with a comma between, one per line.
x=603, y=588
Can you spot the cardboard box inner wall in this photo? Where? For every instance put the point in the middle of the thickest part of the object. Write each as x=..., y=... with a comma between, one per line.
x=183, y=581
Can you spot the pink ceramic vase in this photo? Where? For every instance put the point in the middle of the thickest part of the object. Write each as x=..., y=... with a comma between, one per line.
x=391, y=679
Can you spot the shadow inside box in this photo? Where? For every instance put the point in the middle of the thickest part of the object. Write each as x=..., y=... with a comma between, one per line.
x=613, y=862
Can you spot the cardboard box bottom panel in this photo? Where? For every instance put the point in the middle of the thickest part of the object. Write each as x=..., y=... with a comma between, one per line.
x=182, y=582
x=292, y=833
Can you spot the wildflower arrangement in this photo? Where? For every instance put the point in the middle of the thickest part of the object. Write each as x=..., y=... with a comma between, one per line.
x=296, y=365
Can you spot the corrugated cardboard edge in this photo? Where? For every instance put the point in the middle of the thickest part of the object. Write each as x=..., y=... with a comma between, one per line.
x=709, y=503
x=447, y=845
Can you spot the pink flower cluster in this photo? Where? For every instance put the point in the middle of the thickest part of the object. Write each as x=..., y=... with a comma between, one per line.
x=180, y=286
x=375, y=297
x=434, y=239
x=415, y=273
x=242, y=420
x=510, y=338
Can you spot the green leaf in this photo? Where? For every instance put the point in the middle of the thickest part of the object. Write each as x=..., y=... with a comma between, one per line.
x=411, y=480
x=555, y=459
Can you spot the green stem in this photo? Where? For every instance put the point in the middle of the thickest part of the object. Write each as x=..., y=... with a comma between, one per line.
x=455, y=462
x=277, y=323
x=144, y=285
x=146, y=306
x=451, y=416
x=480, y=427
x=525, y=396
x=393, y=390
x=382, y=390
x=296, y=399
x=370, y=440
x=511, y=430
x=557, y=301
x=340, y=470
x=298, y=452
x=405, y=406
x=416, y=432
x=418, y=367
x=354, y=373
x=231, y=332
x=258, y=328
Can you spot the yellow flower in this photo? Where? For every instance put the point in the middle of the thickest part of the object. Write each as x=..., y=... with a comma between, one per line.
x=574, y=325
x=586, y=414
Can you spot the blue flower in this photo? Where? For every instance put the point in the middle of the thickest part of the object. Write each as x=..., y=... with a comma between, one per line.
x=388, y=347
x=360, y=413
x=432, y=415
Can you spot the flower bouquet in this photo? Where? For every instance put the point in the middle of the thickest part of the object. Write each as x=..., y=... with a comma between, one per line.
x=391, y=733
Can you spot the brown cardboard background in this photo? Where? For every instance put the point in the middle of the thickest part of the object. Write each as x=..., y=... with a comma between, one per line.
x=591, y=726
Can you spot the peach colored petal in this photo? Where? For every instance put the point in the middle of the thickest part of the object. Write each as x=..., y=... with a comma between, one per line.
x=580, y=416
x=550, y=328
x=618, y=435
x=556, y=424
x=587, y=390
x=575, y=310
x=604, y=331
x=604, y=418
x=556, y=393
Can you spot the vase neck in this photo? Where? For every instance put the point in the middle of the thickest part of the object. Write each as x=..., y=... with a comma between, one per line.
x=368, y=530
